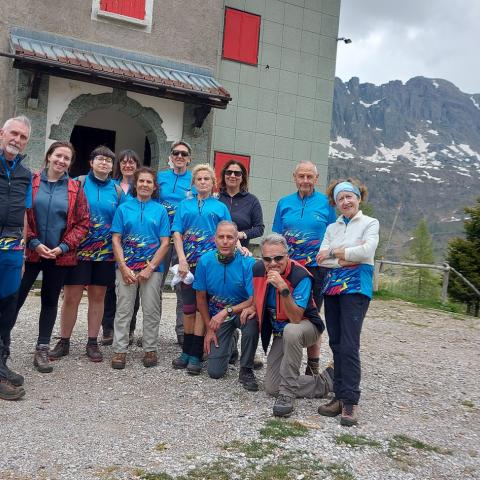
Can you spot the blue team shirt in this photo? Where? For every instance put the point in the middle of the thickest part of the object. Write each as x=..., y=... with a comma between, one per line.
x=197, y=221
x=141, y=225
x=173, y=189
x=103, y=201
x=303, y=221
x=301, y=294
x=345, y=280
x=226, y=284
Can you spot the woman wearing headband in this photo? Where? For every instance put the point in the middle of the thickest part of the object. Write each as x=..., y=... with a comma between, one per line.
x=348, y=250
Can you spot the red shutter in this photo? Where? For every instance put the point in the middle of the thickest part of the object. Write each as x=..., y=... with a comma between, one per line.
x=241, y=36
x=128, y=8
x=221, y=158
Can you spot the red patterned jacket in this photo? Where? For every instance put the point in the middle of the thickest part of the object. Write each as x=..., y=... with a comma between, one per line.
x=78, y=220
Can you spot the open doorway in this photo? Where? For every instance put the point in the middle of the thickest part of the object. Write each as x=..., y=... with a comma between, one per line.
x=112, y=128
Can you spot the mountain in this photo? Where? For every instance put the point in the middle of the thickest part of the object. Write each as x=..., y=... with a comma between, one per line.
x=417, y=148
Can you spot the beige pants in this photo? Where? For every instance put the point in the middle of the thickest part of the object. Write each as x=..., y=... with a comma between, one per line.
x=284, y=361
x=151, y=301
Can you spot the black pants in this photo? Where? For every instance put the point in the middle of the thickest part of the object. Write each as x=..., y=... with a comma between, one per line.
x=52, y=283
x=111, y=307
x=318, y=274
x=7, y=321
x=344, y=316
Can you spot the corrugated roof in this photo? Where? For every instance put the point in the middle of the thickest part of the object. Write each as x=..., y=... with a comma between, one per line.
x=60, y=56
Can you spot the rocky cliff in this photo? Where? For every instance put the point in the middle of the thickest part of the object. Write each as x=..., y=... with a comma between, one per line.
x=417, y=147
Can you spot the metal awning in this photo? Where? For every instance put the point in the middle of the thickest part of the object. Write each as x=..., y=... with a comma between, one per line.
x=71, y=58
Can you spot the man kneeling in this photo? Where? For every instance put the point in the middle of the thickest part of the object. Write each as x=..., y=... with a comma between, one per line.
x=223, y=284
x=286, y=311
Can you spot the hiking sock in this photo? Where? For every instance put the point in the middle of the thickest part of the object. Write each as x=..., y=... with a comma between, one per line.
x=187, y=343
x=92, y=341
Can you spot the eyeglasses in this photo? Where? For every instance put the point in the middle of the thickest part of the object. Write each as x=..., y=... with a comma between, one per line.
x=176, y=153
x=277, y=259
x=128, y=161
x=229, y=173
x=103, y=159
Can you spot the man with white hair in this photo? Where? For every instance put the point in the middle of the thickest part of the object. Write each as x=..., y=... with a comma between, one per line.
x=302, y=218
x=15, y=197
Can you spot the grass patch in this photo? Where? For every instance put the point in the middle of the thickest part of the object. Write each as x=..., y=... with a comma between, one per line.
x=356, y=441
x=161, y=447
x=398, y=448
x=281, y=429
x=468, y=404
x=156, y=476
x=450, y=307
x=253, y=449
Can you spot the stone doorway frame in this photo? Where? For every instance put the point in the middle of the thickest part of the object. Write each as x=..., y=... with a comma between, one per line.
x=118, y=100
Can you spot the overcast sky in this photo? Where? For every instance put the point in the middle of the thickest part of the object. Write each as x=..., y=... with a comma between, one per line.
x=401, y=39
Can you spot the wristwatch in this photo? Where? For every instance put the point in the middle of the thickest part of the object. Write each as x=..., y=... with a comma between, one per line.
x=229, y=311
x=285, y=292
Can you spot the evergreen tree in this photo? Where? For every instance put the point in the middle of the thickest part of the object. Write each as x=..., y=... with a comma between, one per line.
x=464, y=256
x=422, y=280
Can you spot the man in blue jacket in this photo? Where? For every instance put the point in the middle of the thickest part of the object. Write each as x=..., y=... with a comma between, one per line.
x=15, y=197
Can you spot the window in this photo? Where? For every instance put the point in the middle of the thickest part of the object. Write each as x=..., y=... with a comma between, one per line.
x=132, y=13
x=221, y=158
x=128, y=8
x=241, y=36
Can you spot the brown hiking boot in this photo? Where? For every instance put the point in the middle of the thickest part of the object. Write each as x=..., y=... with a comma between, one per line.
x=9, y=391
x=150, y=359
x=41, y=360
x=119, y=360
x=61, y=349
x=349, y=415
x=331, y=409
x=107, y=337
x=94, y=353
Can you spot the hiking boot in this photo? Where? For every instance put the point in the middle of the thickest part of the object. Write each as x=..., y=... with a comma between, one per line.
x=331, y=409
x=41, y=360
x=9, y=391
x=107, y=337
x=150, y=359
x=349, y=415
x=247, y=378
x=194, y=366
x=284, y=406
x=93, y=353
x=14, y=378
x=131, y=338
x=61, y=349
x=119, y=360
x=257, y=363
x=312, y=368
x=181, y=361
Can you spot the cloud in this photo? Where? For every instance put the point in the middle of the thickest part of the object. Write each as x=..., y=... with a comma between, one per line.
x=400, y=40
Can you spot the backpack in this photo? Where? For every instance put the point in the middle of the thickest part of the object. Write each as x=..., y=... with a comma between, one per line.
x=81, y=180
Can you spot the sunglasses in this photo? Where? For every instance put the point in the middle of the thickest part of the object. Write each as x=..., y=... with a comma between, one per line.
x=182, y=153
x=277, y=259
x=229, y=173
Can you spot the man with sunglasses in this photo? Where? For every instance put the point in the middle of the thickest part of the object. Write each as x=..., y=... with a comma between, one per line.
x=223, y=284
x=174, y=185
x=286, y=311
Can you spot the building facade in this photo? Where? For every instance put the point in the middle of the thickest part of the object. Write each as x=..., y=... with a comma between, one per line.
x=249, y=78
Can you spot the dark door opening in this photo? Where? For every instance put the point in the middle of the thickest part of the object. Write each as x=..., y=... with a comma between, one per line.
x=85, y=139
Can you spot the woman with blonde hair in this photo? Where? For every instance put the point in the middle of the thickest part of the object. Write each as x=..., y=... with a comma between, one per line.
x=193, y=230
x=347, y=250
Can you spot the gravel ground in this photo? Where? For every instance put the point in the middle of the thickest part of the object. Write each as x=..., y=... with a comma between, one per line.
x=86, y=421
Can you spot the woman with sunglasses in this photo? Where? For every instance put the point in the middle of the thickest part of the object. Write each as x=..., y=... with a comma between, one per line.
x=347, y=250
x=193, y=229
x=123, y=172
x=57, y=223
x=175, y=183
x=243, y=206
x=96, y=265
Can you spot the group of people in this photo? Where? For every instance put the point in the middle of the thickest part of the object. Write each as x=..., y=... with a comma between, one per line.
x=118, y=229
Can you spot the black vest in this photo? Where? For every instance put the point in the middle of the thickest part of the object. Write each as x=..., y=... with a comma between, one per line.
x=13, y=192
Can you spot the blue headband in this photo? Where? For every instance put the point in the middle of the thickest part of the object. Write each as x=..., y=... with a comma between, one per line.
x=345, y=187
